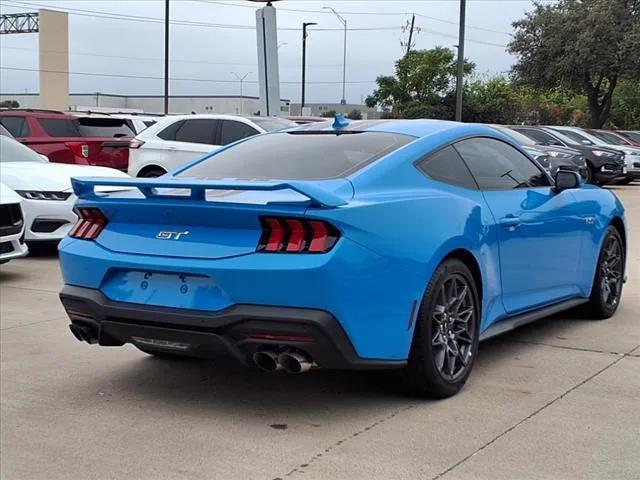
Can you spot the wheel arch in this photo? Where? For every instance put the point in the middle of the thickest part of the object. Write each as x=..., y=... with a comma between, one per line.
x=148, y=168
x=466, y=257
x=618, y=224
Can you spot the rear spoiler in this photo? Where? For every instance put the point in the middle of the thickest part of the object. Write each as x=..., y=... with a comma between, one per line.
x=84, y=187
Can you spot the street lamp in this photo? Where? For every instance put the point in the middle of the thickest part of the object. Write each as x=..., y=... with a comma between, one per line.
x=304, y=58
x=241, y=79
x=344, y=56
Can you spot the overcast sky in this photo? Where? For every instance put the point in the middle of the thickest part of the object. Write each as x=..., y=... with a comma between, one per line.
x=128, y=40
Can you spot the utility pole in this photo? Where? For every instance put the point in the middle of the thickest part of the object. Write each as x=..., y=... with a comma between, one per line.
x=166, y=57
x=459, y=80
x=241, y=79
x=304, y=59
x=344, y=54
x=413, y=22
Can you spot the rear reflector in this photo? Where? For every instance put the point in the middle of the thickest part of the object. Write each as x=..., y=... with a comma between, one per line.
x=90, y=223
x=295, y=235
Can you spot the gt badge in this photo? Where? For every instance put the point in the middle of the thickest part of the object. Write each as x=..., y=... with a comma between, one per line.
x=171, y=235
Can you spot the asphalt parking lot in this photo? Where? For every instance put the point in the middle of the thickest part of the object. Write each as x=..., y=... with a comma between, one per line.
x=556, y=399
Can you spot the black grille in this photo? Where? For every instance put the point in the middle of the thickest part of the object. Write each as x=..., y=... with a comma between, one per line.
x=47, y=226
x=6, y=247
x=10, y=219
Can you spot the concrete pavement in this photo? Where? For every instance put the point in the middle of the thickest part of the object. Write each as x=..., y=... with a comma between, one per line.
x=556, y=399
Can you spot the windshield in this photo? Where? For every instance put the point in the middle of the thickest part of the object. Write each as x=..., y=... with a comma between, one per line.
x=271, y=124
x=635, y=136
x=580, y=137
x=13, y=151
x=520, y=138
x=566, y=138
x=304, y=155
x=609, y=138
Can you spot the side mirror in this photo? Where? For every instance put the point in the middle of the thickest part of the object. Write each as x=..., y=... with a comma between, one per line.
x=566, y=180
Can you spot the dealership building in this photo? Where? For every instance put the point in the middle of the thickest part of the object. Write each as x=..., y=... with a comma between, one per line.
x=227, y=104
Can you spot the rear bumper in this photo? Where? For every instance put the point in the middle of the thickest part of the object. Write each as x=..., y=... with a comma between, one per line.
x=237, y=331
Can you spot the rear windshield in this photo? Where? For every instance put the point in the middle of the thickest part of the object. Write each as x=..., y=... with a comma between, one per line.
x=271, y=124
x=60, y=127
x=298, y=156
x=104, y=127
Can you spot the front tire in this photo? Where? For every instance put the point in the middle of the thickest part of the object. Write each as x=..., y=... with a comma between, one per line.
x=445, y=340
x=609, y=279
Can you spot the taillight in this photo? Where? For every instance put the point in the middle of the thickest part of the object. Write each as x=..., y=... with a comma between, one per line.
x=90, y=223
x=295, y=235
x=135, y=143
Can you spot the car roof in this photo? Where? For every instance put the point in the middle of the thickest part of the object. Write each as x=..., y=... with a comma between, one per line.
x=417, y=128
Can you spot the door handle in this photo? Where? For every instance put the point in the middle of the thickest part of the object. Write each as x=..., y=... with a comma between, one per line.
x=510, y=222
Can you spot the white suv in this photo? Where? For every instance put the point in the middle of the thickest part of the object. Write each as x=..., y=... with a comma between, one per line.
x=177, y=140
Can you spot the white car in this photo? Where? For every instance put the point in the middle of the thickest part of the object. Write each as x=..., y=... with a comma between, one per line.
x=11, y=225
x=45, y=188
x=138, y=123
x=177, y=140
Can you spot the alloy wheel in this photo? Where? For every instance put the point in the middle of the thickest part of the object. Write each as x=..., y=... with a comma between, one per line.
x=453, y=327
x=611, y=271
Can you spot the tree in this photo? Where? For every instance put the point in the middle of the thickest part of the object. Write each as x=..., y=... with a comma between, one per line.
x=625, y=111
x=9, y=104
x=328, y=114
x=355, y=114
x=423, y=79
x=588, y=46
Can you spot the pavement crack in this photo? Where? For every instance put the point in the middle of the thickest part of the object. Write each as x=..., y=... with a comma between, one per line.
x=533, y=414
x=32, y=323
x=318, y=456
x=565, y=347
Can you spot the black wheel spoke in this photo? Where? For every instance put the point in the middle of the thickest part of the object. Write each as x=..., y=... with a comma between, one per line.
x=453, y=326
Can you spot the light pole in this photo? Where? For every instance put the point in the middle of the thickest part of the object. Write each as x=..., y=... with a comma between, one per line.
x=304, y=59
x=460, y=76
x=344, y=55
x=166, y=57
x=241, y=79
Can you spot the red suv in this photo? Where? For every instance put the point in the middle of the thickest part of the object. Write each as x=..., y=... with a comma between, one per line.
x=65, y=138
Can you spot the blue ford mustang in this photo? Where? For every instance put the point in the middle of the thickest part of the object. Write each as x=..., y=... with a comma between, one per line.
x=356, y=245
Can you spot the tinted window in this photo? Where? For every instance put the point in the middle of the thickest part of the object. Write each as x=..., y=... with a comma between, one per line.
x=13, y=151
x=233, y=131
x=576, y=137
x=148, y=123
x=609, y=138
x=496, y=165
x=540, y=136
x=104, y=127
x=60, y=127
x=169, y=133
x=446, y=166
x=197, y=131
x=298, y=156
x=17, y=126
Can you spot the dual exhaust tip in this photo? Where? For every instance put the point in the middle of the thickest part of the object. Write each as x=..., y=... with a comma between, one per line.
x=84, y=334
x=290, y=362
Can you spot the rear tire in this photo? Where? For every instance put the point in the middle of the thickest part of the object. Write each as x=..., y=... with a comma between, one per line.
x=609, y=279
x=445, y=341
x=152, y=173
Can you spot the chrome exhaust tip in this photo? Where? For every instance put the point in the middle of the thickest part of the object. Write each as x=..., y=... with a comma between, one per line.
x=267, y=361
x=295, y=363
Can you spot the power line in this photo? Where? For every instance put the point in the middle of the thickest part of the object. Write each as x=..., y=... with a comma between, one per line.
x=187, y=23
x=248, y=27
x=196, y=62
x=406, y=14
x=147, y=77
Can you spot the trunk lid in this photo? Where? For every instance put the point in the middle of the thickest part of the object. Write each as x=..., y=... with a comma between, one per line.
x=198, y=219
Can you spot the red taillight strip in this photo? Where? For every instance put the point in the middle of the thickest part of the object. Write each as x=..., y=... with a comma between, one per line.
x=296, y=235
x=91, y=221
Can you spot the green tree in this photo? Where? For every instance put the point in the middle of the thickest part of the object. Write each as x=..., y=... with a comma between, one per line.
x=423, y=80
x=355, y=114
x=625, y=111
x=328, y=114
x=587, y=46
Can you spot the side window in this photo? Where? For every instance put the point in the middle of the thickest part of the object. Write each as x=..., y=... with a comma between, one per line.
x=446, y=166
x=169, y=133
x=233, y=131
x=197, y=131
x=17, y=126
x=496, y=165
